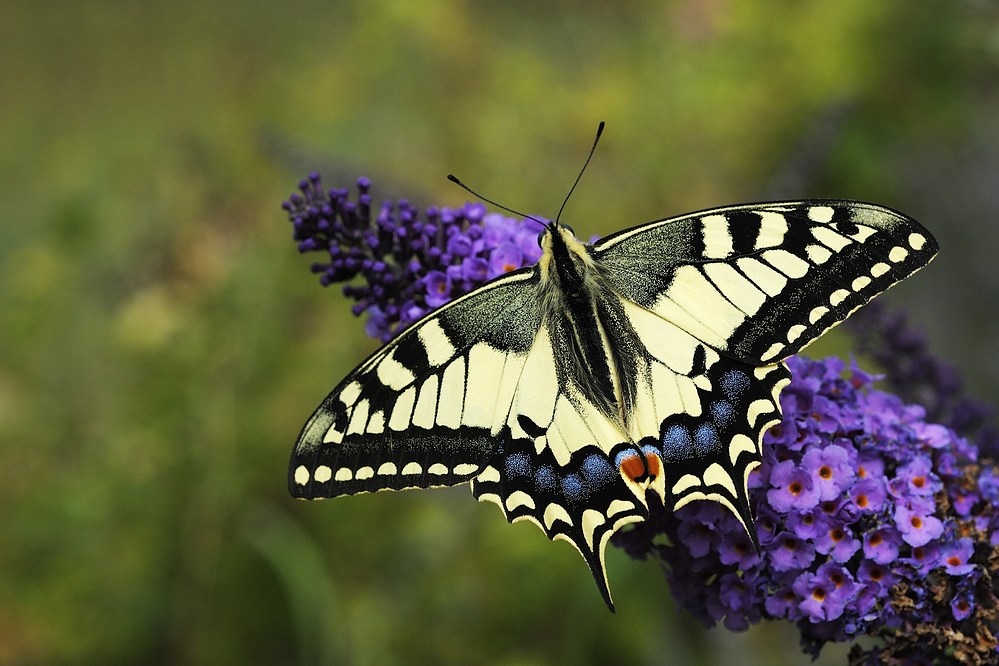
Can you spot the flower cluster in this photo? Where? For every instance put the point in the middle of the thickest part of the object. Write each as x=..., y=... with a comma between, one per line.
x=918, y=376
x=870, y=521
x=410, y=263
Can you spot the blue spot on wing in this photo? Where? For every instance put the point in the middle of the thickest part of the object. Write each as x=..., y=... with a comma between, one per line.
x=518, y=464
x=545, y=479
x=733, y=384
x=722, y=413
x=574, y=488
x=677, y=443
x=597, y=470
x=706, y=439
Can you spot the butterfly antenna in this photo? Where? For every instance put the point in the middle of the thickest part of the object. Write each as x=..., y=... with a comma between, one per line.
x=600, y=130
x=475, y=194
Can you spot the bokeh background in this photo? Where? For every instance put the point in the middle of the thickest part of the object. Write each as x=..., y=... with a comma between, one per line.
x=161, y=342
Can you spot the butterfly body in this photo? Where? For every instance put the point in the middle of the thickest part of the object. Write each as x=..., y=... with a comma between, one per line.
x=643, y=368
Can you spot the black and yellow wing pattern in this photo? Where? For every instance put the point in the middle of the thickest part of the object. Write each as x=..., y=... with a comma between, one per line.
x=643, y=368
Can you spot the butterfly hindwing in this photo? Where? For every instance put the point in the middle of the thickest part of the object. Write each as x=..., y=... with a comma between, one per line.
x=760, y=281
x=426, y=409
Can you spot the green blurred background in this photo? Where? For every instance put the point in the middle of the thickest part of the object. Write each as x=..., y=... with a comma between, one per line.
x=161, y=342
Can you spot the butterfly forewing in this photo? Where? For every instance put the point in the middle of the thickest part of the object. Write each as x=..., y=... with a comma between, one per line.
x=426, y=409
x=760, y=281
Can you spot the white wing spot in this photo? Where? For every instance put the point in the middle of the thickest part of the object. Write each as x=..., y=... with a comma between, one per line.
x=619, y=505
x=350, y=393
x=774, y=350
x=795, y=332
x=465, y=468
x=519, y=498
x=365, y=472
x=323, y=474
x=412, y=468
x=764, y=277
x=787, y=263
x=555, y=512
x=756, y=409
x=879, y=269
x=830, y=238
x=388, y=469
x=917, y=241
x=817, y=313
x=821, y=213
x=437, y=344
x=425, y=413
x=301, y=475
x=394, y=374
x=818, y=254
x=692, y=303
x=376, y=425
x=860, y=283
x=358, y=418
x=437, y=469
x=344, y=474
x=838, y=296
x=735, y=287
x=863, y=233
x=897, y=254
x=717, y=239
x=402, y=410
x=489, y=475
x=452, y=394
x=741, y=444
x=592, y=519
x=715, y=475
x=685, y=483
x=773, y=228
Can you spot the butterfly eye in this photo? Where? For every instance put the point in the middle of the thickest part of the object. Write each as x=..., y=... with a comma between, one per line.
x=541, y=235
x=569, y=229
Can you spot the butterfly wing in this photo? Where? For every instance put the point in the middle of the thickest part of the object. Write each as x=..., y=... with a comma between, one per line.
x=426, y=409
x=718, y=298
x=758, y=282
x=555, y=465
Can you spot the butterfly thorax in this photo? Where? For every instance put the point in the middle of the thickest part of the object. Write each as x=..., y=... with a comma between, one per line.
x=583, y=318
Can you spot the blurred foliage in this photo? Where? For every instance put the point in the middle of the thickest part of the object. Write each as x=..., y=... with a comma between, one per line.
x=161, y=343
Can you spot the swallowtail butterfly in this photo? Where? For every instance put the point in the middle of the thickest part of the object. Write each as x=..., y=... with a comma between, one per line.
x=642, y=368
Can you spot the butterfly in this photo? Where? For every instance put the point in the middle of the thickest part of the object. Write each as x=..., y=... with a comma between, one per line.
x=643, y=368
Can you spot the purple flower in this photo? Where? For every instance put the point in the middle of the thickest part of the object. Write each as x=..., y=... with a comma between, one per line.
x=955, y=557
x=789, y=552
x=923, y=558
x=838, y=543
x=868, y=495
x=818, y=598
x=505, y=258
x=793, y=488
x=915, y=478
x=831, y=469
x=881, y=545
x=963, y=605
x=917, y=527
x=785, y=603
x=438, y=288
